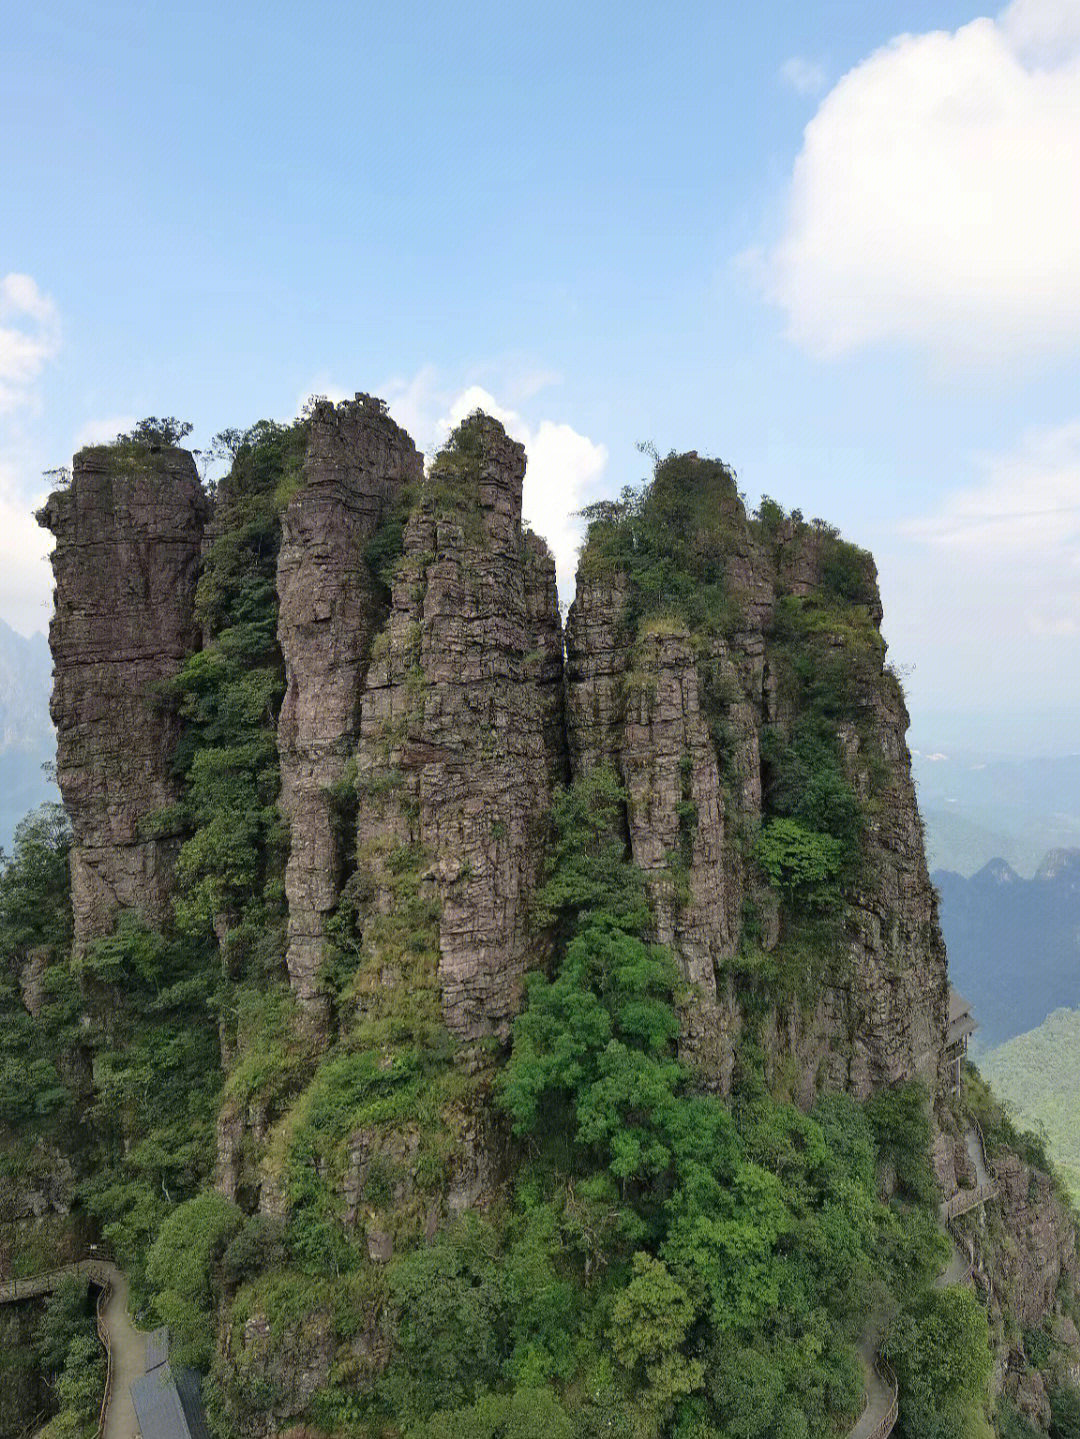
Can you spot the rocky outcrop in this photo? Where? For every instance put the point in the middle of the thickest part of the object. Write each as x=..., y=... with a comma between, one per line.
x=358, y=466
x=1040, y=1261
x=128, y=533
x=683, y=717
x=460, y=729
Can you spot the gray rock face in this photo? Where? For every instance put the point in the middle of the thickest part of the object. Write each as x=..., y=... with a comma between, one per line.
x=128, y=533
x=460, y=731
x=358, y=463
x=681, y=718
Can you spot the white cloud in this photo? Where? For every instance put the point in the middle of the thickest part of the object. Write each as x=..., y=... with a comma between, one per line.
x=1027, y=505
x=935, y=199
x=562, y=469
x=805, y=77
x=986, y=589
x=103, y=432
x=29, y=337
x=1043, y=30
x=25, y=577
x=563, y=465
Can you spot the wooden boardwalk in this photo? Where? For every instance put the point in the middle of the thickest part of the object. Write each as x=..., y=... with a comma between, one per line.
x=878, y=1419
x=124, y=1345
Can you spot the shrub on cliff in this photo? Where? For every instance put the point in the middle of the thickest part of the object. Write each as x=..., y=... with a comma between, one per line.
x=183, y=1267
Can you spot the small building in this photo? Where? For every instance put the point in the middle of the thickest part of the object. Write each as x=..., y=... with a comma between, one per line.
x=961, y=1027
x=168, y=1403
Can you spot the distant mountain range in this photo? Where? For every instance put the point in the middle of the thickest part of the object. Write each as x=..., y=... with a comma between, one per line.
x=977, y=808
x=27, y=741
x=1014, y=943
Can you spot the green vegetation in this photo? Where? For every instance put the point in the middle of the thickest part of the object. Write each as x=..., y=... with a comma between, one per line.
x=657, y=1262
x=679, y=545
x=666, y=1264
x=1037, y=1075
x=72, y=1361
x=36, y=1098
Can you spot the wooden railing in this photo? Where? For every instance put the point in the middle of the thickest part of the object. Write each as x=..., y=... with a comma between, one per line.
x=988, y=1163
x=103, y=1336
x=95, y=1267
x=964, y=1200
x=888, y=1420
x=98, y=1269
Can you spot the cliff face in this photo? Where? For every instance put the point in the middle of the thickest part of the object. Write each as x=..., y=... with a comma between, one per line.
x=727, y=668
x=460, y=727
x=692, y=719
x=128, y=535
x=358, y=466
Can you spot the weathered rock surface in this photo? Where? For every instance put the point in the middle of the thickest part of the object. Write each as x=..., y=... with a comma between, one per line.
x=128, y=533
x=358, y=464
x=681, y=718
x=460, y=730
x=1042, y=1259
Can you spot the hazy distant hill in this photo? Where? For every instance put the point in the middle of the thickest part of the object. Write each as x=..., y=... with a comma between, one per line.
x=26, y=733
x=977, y=809
x=1014, y=943
x=1038, y=1076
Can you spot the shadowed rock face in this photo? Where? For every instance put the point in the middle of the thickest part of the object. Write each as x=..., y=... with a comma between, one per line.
x=461, y=728
x=358, y=464
x=128, y=533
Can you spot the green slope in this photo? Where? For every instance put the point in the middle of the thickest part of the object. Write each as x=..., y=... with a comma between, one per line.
x=1038, y=1076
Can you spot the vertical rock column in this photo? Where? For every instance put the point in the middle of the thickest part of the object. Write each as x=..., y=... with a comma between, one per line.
x=461, y=735
x=128, y=533
x=358, y=462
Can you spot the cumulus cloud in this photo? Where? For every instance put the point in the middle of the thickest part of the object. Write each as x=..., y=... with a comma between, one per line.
x=805, y=77
x=25, y=577
x=563, y=465
x=562, y=470
x=935, y=201
x=29, y=338
x=103, y=432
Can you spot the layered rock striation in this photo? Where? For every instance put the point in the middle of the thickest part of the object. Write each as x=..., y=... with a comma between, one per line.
x=358, y=469
x=461, y=734
x=691, y=717
x=423, y=651
x=128, y=533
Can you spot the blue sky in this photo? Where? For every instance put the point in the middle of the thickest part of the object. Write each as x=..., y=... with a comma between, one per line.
x=832, y=244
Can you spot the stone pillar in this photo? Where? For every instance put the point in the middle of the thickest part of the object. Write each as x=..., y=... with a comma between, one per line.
x=358, y=463
x=128, y=533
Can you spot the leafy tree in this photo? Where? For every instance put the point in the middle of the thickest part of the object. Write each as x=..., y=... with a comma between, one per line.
x=156, y=433
x=799, y=861
x=649, y=1324
x=181, y=1267
x=522, y=1414
x=941, y=1351
x=1065, y=1412
x=451, y=1305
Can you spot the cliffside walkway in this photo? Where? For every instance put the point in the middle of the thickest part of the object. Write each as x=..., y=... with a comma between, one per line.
x=124, y=1345
x=878, y=1419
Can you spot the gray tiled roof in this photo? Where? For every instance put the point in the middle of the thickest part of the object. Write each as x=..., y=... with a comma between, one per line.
x=157, y=1349
x=189, y=1387
x=157, y=1406
x=168, y=1405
